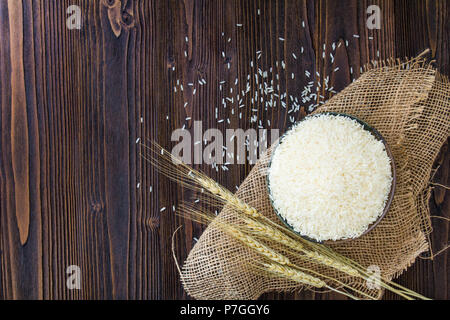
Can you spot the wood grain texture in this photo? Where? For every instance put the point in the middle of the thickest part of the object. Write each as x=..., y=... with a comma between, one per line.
x=73, y=187
x=19, y=123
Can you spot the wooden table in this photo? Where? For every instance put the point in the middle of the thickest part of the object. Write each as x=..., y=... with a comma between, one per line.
x=74, y=189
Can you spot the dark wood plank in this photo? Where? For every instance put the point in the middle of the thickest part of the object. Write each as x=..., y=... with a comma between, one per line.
x=73, y=187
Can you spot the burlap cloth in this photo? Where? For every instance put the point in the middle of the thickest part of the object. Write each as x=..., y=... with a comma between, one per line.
x=409, y=104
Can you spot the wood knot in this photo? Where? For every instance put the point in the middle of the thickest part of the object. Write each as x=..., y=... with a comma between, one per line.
x=110, y=3
x=152, y=223
x=127, y=19
x=170, y=62
x=119, y=18
x=96, y=207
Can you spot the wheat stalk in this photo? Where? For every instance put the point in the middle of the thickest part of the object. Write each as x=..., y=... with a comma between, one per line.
x=257, y=246
x=280, y=237
x=251, y=243
x=195, y=180
x=332, y=259
x=292, y=274
x=222, y=193
x=301, y=277
x=273, y=234
x=176, y=170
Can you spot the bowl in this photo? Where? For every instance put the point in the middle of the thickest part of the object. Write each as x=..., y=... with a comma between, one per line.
x=377, y=136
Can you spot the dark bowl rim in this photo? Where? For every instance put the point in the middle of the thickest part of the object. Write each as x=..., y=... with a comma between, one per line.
x=366, y=127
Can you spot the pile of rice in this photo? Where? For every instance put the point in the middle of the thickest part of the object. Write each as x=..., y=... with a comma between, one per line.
x=329, y=178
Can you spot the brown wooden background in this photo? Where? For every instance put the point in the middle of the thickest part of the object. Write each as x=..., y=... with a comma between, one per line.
x=71, y=107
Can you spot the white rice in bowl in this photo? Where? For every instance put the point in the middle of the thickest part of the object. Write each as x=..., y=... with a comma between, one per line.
x=330, y=178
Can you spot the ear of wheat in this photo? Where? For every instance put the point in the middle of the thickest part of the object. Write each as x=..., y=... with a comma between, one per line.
x=257, y=246
x=292, y=274
x=301, y=277
x=282, y=238
x=184, y=175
